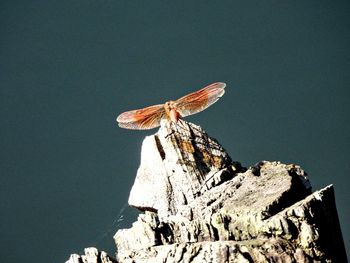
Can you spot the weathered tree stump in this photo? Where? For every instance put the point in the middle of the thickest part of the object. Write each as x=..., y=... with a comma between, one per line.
x=199, y=206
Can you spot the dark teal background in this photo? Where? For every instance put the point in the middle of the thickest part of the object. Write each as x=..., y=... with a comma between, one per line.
x=68, y=68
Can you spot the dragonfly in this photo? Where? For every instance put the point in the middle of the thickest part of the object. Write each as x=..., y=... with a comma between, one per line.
x=150, y=117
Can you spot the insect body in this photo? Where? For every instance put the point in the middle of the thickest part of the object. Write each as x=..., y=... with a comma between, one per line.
x=150, y=117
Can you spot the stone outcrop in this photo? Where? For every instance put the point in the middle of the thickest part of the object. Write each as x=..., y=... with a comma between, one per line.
x=199, y=206
x=92, y=255
x=178, y=164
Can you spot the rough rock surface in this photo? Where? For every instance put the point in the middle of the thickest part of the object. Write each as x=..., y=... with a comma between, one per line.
x=178, y=163
x=302, y=232
x=92, y=255
x=199, y=206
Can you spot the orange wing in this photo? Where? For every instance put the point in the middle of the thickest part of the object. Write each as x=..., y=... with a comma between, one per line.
x=200, y=100
x=142, y=119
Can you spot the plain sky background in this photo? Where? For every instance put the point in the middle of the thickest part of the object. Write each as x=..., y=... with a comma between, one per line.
x=68, y=68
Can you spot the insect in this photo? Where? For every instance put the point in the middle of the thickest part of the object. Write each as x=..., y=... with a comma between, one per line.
x=150, y=117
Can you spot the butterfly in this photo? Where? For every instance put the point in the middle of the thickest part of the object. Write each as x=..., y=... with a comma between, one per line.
x=150, y=117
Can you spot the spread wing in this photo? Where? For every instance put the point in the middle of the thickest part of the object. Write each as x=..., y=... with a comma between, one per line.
x=200, y=100
x=142, y=119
